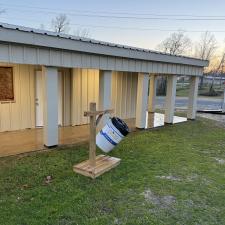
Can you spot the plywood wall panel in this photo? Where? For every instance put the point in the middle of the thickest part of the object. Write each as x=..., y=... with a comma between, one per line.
x=19, y=114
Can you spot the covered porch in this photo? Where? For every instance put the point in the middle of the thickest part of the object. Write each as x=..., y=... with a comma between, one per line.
x=50, y=102
x=32, y=139
x=48, y=80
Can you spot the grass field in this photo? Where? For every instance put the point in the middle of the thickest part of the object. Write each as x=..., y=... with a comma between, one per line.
x=173, y=175
x=183, y=91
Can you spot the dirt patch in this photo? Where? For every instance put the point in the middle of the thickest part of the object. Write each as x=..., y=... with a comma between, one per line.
x=192, y=177
x=170, y=177
x=159, y=201
x=220, y=161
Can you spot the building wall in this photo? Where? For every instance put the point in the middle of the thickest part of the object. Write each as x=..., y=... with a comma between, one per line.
x=66, y=97
x=85, y=86
x=19, y=114
x=124, y=94
x=80, y=87
x=85, y=89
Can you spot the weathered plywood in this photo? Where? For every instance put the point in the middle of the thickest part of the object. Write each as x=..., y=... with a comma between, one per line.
x=19, y=114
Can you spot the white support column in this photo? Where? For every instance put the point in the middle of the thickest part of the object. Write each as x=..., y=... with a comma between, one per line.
x=193, y=95
x=170, y=98
x=142, y=100
x=50, y=75
x=223, y=104
x=152, y=93
x=105, y=93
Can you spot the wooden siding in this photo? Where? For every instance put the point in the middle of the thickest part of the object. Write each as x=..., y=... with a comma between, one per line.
x=124, y=94
x=85, y=88
x=70, y=59
x=19, y=114
x=66, y=97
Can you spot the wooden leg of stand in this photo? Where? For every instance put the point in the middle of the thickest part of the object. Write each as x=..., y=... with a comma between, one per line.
x=95, y=166
x=92, y=144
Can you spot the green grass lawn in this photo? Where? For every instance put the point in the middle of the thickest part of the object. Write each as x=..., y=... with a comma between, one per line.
x=173, y=175
x=184, y=91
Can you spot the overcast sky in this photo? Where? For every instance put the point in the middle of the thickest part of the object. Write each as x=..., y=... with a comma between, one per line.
x=154, y=20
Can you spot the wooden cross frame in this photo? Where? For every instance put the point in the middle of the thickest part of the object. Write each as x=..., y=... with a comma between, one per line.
x=95, y=166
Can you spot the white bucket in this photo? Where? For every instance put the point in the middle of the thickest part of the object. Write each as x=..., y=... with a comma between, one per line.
x=110, y=135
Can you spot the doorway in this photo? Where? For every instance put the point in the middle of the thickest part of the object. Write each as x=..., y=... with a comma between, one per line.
x=39, y=99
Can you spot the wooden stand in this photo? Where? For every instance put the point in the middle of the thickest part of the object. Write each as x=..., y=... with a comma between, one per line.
x=95, y=166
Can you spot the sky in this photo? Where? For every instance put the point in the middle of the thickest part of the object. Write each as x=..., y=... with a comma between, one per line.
x=141, y=23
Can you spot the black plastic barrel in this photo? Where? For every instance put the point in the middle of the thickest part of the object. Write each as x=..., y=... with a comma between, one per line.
x=120, y=125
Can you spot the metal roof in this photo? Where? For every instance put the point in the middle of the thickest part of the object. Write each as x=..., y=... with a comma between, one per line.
x=96, y=42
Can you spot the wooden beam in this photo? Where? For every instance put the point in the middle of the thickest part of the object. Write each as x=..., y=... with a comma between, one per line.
x=95, y=113
x=95, y=166
x=92, y=142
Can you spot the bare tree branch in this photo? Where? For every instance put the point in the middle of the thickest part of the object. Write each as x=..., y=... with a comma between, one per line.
x=206, y=47
x=205, y=50
x=60, y=24
x=176, y=44
x=82, y=32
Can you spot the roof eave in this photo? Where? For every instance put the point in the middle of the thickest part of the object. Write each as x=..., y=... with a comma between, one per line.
x=47, y=40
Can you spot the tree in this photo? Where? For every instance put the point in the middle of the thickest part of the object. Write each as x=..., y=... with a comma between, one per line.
x=42, y=26
x=80, y=32
x=60, y=24
x=205, y=49
x=176, y=44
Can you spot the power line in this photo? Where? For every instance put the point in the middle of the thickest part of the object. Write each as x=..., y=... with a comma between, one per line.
x=123, y=28
x=157, y=17
x=113, y=12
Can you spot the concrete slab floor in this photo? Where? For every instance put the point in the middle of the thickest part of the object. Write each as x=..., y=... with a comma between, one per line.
x=28, y=140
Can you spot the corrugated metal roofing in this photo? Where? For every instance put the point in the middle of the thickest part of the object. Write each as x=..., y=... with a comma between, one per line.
x=89, y=40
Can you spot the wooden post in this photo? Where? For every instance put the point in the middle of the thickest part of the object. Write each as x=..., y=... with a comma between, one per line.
x=95, y=166
x=92, y=145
